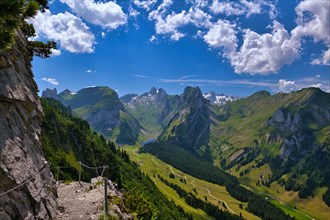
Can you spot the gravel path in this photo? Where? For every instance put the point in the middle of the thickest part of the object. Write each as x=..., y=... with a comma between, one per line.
x=78, y=202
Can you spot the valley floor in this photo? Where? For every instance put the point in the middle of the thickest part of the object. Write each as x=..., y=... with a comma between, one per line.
x=218, y=195
x=213, y=193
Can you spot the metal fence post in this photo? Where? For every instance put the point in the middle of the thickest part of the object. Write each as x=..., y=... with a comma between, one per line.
x=79, y=172
x=105, y=198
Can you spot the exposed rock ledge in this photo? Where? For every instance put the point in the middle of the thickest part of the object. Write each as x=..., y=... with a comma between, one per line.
x=20, y=148
x=85, y=201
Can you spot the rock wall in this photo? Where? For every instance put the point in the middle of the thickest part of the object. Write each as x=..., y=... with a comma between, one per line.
x=21, y=157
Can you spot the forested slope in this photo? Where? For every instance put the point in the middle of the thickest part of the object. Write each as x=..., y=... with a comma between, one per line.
x=67, y=140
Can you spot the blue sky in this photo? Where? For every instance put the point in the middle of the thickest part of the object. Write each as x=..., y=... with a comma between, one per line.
x=233, y=47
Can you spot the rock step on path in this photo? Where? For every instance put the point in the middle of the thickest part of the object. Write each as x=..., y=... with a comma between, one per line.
x=84, y=201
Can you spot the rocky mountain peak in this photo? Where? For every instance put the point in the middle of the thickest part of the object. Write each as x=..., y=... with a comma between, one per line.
x=157, y=92
x=260, y=94
x=49, y=93
x=66, y=92
x=153, y=91
x=192, y=93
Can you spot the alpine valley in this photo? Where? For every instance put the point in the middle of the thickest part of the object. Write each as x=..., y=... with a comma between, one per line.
x=264, y=149
x=164, y=154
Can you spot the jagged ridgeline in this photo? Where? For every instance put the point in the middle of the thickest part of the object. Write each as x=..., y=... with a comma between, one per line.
x=67, y=139
x=285, y=135
x=153, y=109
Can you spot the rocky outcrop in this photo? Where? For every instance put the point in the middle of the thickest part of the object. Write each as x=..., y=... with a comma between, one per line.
x=297, y=145
x=91, y=201
x=21, y=158
x=285, y=121
x=50, y=93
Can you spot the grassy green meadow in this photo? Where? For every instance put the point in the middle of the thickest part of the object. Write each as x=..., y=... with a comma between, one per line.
x=215, y=194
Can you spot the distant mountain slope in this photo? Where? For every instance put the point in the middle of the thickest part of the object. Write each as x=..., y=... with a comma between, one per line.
x=269, y=119
x=101, y=107
x=153, y=109
x=282, y=131
x=286, y=132
x=67, y=139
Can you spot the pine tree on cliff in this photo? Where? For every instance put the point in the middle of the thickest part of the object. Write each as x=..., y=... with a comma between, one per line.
x=13, y=15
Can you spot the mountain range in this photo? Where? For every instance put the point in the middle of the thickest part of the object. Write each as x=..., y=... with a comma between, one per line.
x=101, y=107
x=282, y=134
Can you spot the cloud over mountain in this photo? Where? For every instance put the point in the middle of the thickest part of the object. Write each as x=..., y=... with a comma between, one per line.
x=107, y=15
x=68, y=30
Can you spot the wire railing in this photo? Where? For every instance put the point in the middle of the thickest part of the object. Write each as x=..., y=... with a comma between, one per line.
x=25, y=181
x=30, y=179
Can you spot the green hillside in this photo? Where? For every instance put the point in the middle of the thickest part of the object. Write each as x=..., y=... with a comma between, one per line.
x=267, y=141
x=67, y=140
x=271, y=143
x=101, y=107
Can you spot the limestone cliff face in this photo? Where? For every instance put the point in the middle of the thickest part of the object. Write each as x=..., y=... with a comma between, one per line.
x=290, y=122
x=190, y=126
x=21, y=156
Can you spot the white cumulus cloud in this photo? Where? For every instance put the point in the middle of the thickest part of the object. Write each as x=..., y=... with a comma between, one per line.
x=51, y=81
x=108, y=15
x=265, y=53
x=169, y=24
x=313, y=20
x=66, y=29
x=222, y=34
x=286, y=86
x=243, y=7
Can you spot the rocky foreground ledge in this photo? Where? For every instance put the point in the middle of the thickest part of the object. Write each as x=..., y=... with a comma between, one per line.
x=85, y=201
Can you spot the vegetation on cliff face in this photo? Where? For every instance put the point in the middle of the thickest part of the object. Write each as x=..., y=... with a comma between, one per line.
x=67, y=140
x=13, y=15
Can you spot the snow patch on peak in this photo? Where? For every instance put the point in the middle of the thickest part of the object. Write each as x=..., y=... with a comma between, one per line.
x=219, y=99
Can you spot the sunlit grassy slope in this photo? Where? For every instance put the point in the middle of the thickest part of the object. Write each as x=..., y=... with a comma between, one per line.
x=215, y=194
x=288, y=201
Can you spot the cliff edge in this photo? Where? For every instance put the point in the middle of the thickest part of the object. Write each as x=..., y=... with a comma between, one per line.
x=22, y=163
